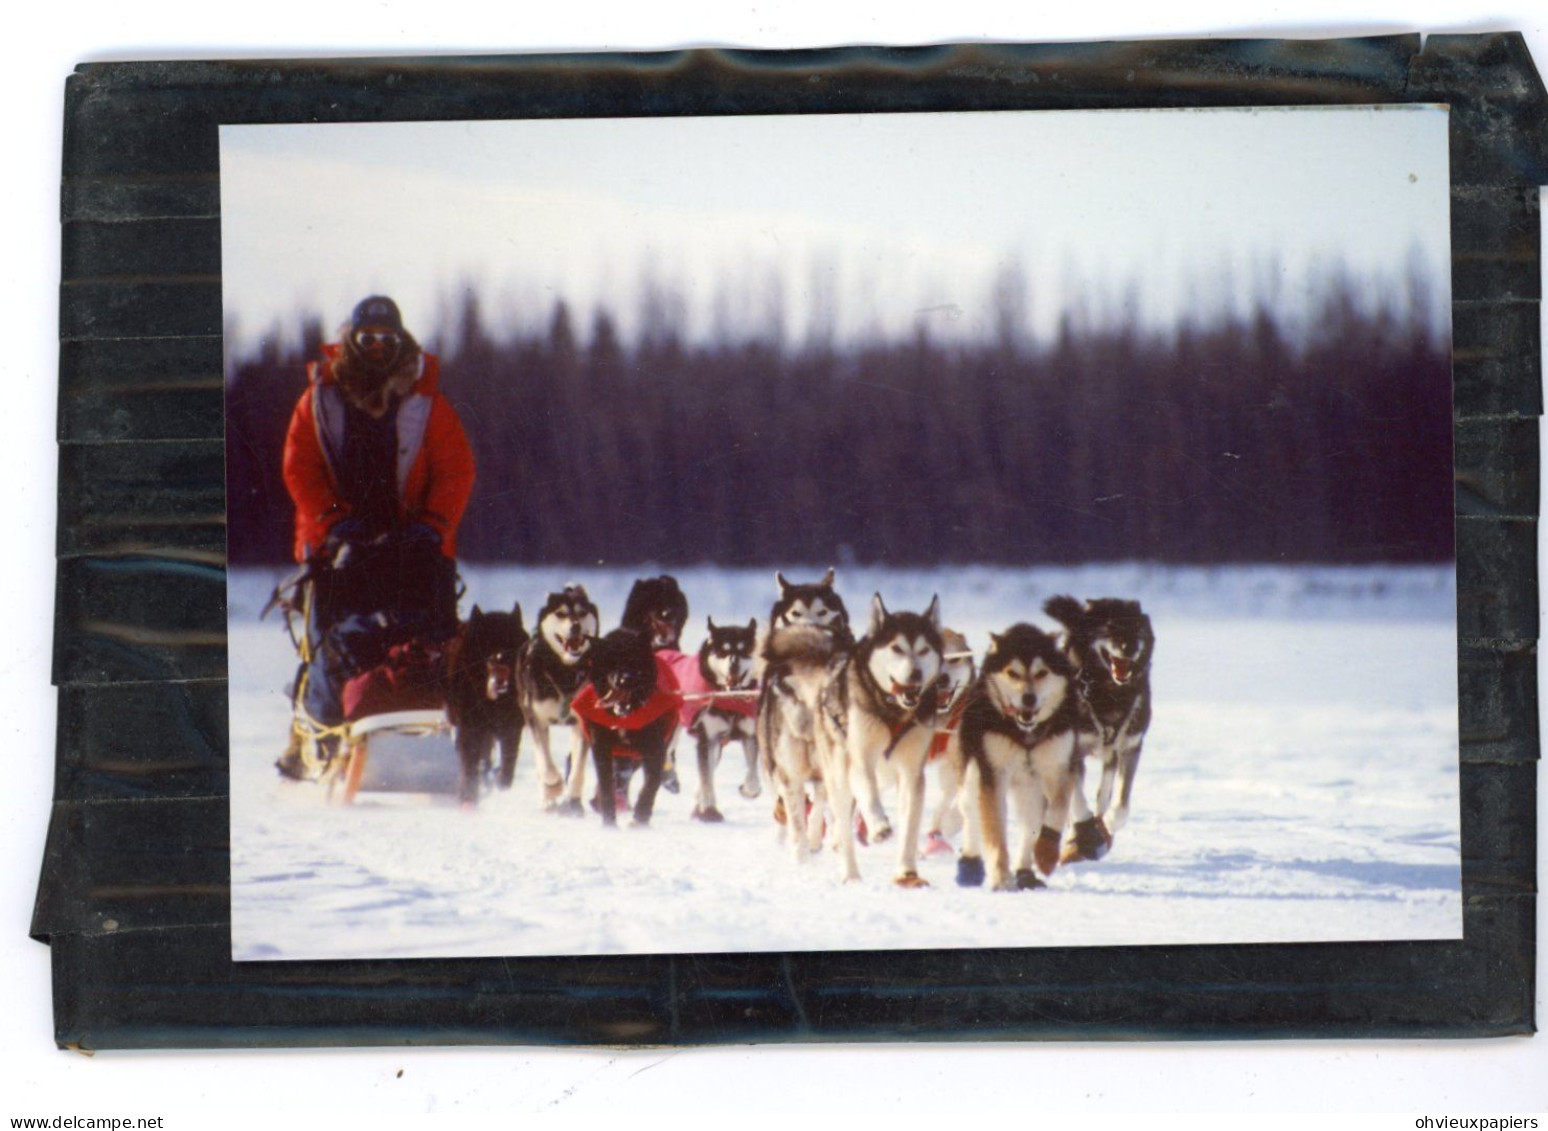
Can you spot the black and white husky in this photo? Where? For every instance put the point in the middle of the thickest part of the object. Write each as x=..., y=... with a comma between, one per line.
x=548, y=675
x=725, y=664
x=1016, y=744
x=878, y=715
x=1110, y=642
x=808, y=628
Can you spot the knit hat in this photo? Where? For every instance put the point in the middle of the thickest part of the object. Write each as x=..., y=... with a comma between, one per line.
x=377, y=310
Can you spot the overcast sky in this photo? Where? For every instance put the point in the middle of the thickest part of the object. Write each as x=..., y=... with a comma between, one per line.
x=861, y=223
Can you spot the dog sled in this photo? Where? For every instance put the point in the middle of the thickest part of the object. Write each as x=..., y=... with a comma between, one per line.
x=371, y=625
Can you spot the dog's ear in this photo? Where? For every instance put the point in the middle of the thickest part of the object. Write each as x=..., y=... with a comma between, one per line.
x=933, y=613
x=827, y=579
x=476, y=613
x=995, y=640
x=516, y=609
x=1064, y=609
x=784, y=586
x=752, y=626
x=878, y=614
x=711, y=622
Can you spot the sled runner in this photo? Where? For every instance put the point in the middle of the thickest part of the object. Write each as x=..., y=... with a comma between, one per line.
x=397, y=752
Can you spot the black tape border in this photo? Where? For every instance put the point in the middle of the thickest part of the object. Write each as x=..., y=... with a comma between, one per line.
x=134, y=896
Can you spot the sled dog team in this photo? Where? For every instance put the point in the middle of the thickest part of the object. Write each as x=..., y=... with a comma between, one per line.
x=827, y=719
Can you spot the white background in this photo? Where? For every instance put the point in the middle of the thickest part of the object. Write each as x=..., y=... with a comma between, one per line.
x=1023, y=1083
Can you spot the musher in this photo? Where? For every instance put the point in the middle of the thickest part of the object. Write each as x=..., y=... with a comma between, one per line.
x=380, y=470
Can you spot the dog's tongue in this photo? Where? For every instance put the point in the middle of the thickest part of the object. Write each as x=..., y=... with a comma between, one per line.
x=1120, y=669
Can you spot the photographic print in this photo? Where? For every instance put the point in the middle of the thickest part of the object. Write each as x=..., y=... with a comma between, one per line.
x=840, y=532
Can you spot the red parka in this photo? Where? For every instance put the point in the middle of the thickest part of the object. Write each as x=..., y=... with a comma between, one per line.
x=435, y=462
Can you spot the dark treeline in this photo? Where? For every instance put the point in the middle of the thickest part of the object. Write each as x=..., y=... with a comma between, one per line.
x=1225, y=444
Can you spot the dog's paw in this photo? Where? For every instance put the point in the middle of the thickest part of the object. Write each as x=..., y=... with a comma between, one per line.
x=1045, y=852
x=553, y=789
x=1027, y=880
x=910, y=880
x=639, y=822
x=669, y=780
x=1089, y=840
x=710, y=815
x=749, y=790
x=970, y=871
x=569, y=807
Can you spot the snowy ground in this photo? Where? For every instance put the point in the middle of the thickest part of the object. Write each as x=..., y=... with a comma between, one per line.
x=1299, y=784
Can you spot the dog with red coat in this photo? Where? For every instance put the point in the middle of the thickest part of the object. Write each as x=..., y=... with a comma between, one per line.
x=628, y=710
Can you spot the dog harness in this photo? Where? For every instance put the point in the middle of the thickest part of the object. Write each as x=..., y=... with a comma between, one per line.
x=953, y=723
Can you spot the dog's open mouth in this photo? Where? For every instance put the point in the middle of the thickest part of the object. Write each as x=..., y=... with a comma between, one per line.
x=1120, y=668
x=1026, y=718
x=575, y=647
x=616, y=701
x=498, y=685
x=907, y=696
x=663, y=632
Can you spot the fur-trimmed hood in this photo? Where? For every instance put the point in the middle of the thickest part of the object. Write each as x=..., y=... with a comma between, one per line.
x=374, y=393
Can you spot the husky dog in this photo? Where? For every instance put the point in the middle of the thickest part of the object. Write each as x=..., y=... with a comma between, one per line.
x=629, y=708
x=725, y=664
x=1017, y=743
x=957, y=675
x=808, y=627
x=878, y=710
x=657, y=608
x=481, y=697
x=816, y=605
x=547, y=677
x=1110, y=642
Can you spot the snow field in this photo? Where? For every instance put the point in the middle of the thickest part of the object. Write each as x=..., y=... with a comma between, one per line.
x=1299, y=784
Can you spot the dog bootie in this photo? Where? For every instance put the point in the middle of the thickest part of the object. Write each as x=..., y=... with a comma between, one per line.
x=1089, y=840
x=570, y=807
x=710, y=815
x=935, y=844
x=970, y=871
x=669, y=780
x=1027, y=880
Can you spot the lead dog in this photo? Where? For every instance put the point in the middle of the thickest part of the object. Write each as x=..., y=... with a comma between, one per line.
x=1016, y=744
x=548, y=675
x=808, y=628
x=878, y=711
x=1110, y=642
